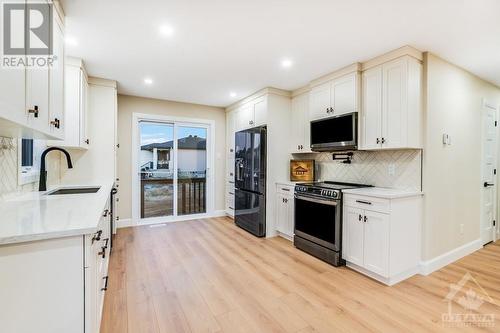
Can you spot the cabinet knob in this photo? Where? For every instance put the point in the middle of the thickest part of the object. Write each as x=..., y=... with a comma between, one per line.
x=378, y=140
x=383, y=140
x=360, y=217
x=34, y=111
x=366, y=219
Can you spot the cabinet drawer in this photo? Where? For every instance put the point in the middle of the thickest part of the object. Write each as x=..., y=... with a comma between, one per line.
x=284, y=189
x=368, y=203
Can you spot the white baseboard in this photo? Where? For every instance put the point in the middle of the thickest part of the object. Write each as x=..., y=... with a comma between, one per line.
x=429, y=266
x=124, y=223
x=390, y=281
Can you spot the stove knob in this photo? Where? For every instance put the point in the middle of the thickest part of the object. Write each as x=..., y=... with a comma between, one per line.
x=334, y=194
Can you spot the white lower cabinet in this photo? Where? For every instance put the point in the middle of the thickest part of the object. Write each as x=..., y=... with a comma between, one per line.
x=55, y=285
x=381, y=237
x=230, y=198
x=285, y=210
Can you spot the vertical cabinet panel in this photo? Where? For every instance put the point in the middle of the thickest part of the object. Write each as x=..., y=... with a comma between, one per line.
x=84, y=119
x=344, y=94
x=354, y=235
x=300, y=140
x=56, y=81
x=37, y=96
x=13, y=101
x=320, y=99
x=371, y=120
x=284, y=212
x=260, y=111
x=244, y=117
x=395, y=103
x=376, y=243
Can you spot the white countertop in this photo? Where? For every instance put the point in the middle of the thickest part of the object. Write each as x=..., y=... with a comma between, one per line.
x=35, y=216
x=381, y=192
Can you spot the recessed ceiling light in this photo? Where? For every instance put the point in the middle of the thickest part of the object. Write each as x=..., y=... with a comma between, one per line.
x=232, y=94
x=286, y=63
x=148, y=81
x=166, y=30
x=70, y=41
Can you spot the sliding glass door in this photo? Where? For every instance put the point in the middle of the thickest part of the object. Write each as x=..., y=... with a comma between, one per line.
x=173, y=169
x=156, y=165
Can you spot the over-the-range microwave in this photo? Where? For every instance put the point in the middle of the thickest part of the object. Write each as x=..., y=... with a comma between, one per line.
x=335, y=133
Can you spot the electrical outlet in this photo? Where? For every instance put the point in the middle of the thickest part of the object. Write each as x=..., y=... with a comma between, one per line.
x=461, y=229
x=391, y=170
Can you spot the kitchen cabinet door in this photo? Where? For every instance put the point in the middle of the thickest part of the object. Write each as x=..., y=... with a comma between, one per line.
x=320, y=101
x=395, y=103
x=244, y=117
x=344, y=94
x=37, y=96
x=56, y=79
x=371, y=117
x=12, y=96
x=376, y=243
x=284, y=214
x=300, y=140
x=84, y=119
x=353, y=235
x=259, y=111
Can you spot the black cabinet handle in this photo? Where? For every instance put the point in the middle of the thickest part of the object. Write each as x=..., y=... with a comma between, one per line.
x=106, y=244
x=56, y=123
x=87, y=141
x=366, y=219
x=285, y=189
x=97, y=236
x=364, y=202
x=383, y=140
x=360, y=217
x=102, y=253
x=105, y=214
x=106, y=278
x=378, y=140
x=34, y=111
x=486, y=184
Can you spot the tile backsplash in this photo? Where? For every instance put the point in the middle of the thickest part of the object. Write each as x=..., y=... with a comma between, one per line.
x=401, y=169
x=9, y=184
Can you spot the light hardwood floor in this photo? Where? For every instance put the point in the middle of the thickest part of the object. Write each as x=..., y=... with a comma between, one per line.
x=210, y=276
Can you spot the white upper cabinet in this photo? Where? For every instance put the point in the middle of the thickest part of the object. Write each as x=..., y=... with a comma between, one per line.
x=335, y=97
x=372, y=108
x=392, y=113
x=56, y=82
x=320, y=101
x=300, y=136
x=260, y=111
x=31, y=98
x=251, y=114
x=344, y=94
x=75, y=105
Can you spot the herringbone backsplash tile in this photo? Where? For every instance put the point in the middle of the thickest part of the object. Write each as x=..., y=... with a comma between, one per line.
x=372, y=167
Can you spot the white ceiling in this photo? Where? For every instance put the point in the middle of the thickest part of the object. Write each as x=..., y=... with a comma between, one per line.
x=223, y=46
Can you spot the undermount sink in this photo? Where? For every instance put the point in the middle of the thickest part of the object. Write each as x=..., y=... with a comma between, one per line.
x=76, y=190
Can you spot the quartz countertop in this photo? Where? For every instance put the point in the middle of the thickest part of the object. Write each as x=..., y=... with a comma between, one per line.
x=36, y=216
x=381, y=192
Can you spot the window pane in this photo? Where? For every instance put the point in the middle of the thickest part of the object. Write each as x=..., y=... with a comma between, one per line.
x=192, y=168
x=156, y=169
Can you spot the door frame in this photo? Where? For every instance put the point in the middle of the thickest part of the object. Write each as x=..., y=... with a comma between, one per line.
x=135, y=184
x=485, y=107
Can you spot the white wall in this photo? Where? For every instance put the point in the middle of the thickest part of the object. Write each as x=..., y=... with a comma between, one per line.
x=452, y=174
x=127, y=105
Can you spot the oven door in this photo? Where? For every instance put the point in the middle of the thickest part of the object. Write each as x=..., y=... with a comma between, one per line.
x=318, y=220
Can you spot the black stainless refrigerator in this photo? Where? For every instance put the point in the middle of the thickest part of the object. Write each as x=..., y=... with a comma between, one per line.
x=250, y=180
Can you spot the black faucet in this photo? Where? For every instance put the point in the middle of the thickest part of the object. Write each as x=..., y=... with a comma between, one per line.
x=42, y=185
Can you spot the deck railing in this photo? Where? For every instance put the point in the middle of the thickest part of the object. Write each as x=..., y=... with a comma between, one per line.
x=191, y=197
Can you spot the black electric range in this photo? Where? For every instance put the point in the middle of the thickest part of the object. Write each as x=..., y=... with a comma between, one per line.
x=318, y=219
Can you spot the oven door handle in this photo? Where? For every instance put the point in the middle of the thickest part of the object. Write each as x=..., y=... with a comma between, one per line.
x=319, y=201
